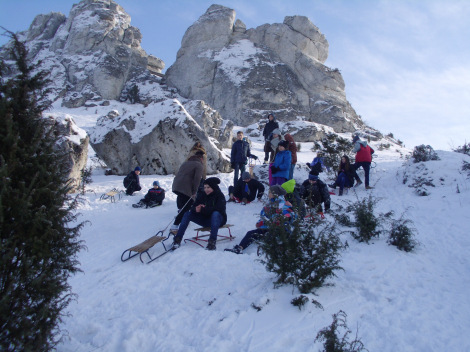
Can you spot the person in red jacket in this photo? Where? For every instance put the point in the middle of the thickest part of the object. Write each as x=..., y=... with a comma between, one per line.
x=293, y=150
x=363, y=158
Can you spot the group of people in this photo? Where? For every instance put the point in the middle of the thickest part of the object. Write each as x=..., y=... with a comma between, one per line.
x=200, y=199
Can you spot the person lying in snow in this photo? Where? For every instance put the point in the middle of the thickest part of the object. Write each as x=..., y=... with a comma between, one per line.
x=153, y=198
x=246, y=189
x=208, y=210
x=314, y=192
x=276, y=204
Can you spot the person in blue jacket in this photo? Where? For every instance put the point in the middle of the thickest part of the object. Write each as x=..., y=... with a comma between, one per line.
x=281, y=166
x=239, y=156
x=153, y=198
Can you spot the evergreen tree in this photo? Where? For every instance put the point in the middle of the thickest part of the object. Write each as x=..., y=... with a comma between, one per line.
x=38, y=244
x=333, y=148
x=133, y=95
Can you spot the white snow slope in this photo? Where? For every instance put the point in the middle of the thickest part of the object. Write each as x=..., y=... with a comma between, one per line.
x=195, y=300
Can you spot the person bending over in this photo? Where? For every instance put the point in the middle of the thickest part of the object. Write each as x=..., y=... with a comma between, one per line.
x=132, y=182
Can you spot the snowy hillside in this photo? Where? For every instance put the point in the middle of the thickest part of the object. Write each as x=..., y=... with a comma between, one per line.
x=195, y=300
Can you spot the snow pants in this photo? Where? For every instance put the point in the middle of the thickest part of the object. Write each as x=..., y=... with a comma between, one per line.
x=252, y=236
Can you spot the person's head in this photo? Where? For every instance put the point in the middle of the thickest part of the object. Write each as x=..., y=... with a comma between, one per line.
x=246, y=177
x=239, y=135
x=313, y=179
x=200, y=154
x=276, y=191
x=137, y=170
x=156, y=184
x=319, y=153
x=345, y=159
x=276, y=132
x=211, y=184
x=283, y=145
x=355, y=138
x=271, y=117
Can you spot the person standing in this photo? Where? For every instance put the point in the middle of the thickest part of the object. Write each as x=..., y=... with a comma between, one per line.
x=363, y=159
x=293, y=151
x=185, y=185
x=239, y=156
x=208, y=211
x=132, y=181
x=270, y=126
x=280, y=167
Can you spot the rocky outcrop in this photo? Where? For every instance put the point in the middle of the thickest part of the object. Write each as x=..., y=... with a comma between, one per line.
x=157, y=138
x=91, y=54
x=245, y=74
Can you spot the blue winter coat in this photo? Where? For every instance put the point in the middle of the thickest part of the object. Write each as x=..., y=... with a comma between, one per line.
x=240, y=152
x=282, y=161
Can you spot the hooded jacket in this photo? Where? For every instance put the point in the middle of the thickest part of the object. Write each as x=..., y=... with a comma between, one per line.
x=307, y=190
x=292, y=147
x=282, y=162
x=188, y=177
x=363, y=152
x=270, y=126
x=214, y=201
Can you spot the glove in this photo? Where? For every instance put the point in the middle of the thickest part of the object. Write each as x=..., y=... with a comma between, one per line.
x=308, y=164
x=274, y=169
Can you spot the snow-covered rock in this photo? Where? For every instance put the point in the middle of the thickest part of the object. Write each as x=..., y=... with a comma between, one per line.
x=157, y=138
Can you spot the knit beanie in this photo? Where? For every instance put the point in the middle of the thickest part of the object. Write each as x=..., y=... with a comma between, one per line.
x=213, y=182
x=356, y=138
x=156, y=183
x=289, y=186
x=246, y=175
x=137, y=168
x=277, y=190
x=284, y=144
x=313, y=177
x=277, y=131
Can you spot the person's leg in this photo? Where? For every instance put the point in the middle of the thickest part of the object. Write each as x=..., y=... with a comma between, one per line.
x=242, y=168
x=250, y=237
x=278, y=181
x=181, y=201
x=316, y=200
x=184, y=225
x=341, y=181
x=235, y=173
x=216, y=221
x=356, y=176
x=267, y=148
x=291, y=172
x=366, y=167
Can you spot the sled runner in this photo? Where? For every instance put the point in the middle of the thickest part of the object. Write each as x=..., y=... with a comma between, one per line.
x=112, y=195
x=208, y=229
x=145, y=246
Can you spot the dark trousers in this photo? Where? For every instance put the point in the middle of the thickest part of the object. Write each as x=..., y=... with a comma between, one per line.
x=240, y=195
x=366, y=166
x=343, y=181
x=268, y=150
x=252, y=236
x=181, y=200
x=239, y=168
x=214, y=221
x=133, y=187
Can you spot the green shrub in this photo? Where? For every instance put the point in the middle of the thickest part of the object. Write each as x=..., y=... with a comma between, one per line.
x=424, y=153
x=332, y=340
x=464, y=149
x=402, y=234
x=299, y=301
x=333, y=148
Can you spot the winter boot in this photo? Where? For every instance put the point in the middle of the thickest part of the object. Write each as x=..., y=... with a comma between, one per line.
x=211, y=245
x=358, y=183
x=237, y=250
x=369, y=187
x=244, y=201
x=230, y=198
x=333, y=185
x=177, y=242
x=139, y=205
x=340, y=192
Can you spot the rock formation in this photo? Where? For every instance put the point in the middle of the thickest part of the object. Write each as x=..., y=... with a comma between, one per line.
x=157, y=138
x=245, y=74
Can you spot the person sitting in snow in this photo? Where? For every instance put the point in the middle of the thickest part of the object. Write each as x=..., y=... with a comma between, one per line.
x=281, y=166
x=208, y=210
x=345, y=177
x=293, y=197
x=318, y=165
x=132, y=182
x=314, y=192
x=363, y=159
x=246, y=190
x=276, y=204
x=153, y=198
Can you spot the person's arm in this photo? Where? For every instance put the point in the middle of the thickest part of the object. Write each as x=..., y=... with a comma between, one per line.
x=357, y=147
x=233, y=153
x=286, y=161
x=325, y=197
x=260, y=188
x=219, y=206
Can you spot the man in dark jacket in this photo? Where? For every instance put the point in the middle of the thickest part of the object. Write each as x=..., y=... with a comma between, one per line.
x=153, y=198
x=185, y=185
x=314, y=191
x=239, y=156
x=270, y=126
x=245, y=190
x=208, y=210
x=132, y=182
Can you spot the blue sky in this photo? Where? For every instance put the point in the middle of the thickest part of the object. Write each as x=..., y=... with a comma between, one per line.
x=406, y=64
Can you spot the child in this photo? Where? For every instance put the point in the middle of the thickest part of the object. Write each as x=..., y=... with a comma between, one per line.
x=281, y=166
x=153, y=198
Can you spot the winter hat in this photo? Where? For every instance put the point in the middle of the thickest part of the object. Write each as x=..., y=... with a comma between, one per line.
x=212, y=182
x=277, y=190
x=313, y=177
x=137, y=168
x=277, y=131
x=156, y=183
x=284, y=144
x=289, y=186
x=246, y=175
x=356, y=138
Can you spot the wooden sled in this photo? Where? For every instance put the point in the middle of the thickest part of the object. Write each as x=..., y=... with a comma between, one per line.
x=208, y=229
x=112, y=195
x=145, y=246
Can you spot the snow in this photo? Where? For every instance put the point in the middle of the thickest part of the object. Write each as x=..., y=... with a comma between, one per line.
x=195, y=300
